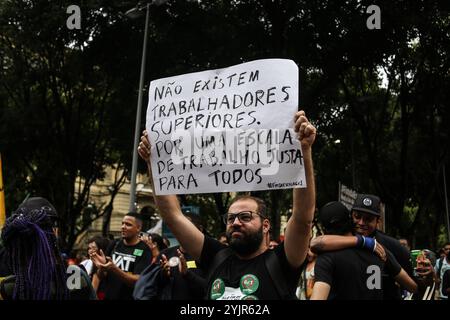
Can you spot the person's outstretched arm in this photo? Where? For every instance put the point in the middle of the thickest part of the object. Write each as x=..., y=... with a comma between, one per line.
x=394, y=269
x=406, y=281
x=169, y=208
x=106, y=265
x=333, y=242
x=298, y=228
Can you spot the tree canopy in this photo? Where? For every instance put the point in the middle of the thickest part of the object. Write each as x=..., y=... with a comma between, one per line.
x=68, y=97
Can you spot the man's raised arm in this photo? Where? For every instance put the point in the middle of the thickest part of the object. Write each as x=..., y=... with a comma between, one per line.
x=190, y=238
x=298, y=229
x=331, y=242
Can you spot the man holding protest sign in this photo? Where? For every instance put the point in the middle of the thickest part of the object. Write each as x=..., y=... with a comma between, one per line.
x=248, y=270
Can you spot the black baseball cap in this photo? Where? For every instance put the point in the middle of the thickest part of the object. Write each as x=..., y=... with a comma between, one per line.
x=39, y=203
x=367, y=203
x=333, y=213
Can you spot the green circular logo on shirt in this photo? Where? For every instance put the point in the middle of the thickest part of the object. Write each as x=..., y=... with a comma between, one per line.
x=249, y=283
x=250, y=297
x=217, y=289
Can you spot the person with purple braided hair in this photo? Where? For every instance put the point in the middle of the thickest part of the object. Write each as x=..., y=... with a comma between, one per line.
x=37, y=270
x=32, y=253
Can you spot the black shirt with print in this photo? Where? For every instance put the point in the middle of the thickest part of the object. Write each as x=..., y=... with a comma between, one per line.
x=346, y=271
x=237, y=279
x=131, y=259
x=354, y=274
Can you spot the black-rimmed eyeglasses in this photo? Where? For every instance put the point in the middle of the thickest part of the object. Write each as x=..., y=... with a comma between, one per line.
x=243, y=216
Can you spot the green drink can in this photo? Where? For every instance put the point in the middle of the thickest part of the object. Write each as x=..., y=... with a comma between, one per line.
x=414, y=255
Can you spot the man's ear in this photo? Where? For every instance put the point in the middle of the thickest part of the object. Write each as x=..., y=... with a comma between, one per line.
x=266, y=225
x=380, y=223
x=139, y=224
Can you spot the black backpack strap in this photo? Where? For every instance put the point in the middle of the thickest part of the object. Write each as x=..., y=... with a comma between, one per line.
x=217, y=261
x=275, y=272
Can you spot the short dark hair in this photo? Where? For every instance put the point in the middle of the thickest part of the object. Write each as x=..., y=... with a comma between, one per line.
x=261, y=205
x=136, y=215
x=139, y=219
x=156, y=238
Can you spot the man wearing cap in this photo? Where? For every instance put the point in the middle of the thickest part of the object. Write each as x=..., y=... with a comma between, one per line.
x=351, y=273
x=119, y=269
x=366, y=213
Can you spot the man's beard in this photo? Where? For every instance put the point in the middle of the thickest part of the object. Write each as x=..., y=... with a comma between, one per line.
x=247, y=244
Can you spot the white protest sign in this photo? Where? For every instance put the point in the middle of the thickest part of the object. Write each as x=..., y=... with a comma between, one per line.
x=224, y=130
x=347, y=196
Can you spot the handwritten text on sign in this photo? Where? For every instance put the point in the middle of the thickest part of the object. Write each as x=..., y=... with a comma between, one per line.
x=226, y=130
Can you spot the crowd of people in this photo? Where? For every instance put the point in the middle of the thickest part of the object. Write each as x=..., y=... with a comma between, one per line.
x=345, y=258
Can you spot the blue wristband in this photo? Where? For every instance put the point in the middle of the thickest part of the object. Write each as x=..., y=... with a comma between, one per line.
x=360, y=241
x=369, y=243
x=365, y=242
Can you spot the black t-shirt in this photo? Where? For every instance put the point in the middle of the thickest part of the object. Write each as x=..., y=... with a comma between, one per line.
x=390, y=289
x=237, y=279
x=84, y=292
x=347, y=272
x=192, y=285
x=391, y=267
x=131, y=259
